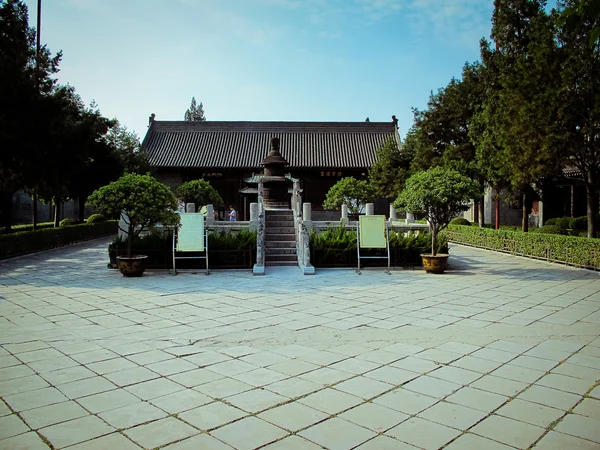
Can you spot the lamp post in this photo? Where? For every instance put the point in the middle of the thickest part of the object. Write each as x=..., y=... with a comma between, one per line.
x=37, y=67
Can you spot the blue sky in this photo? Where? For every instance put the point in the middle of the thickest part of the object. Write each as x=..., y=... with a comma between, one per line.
x=302, y=60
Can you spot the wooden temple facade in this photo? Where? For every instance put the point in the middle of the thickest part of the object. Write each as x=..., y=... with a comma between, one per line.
x=228, y=154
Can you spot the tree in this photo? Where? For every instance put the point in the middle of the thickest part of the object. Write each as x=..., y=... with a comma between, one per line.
x=195, y=113
x=580, y=98
x=350, y=192
x=526, y=105
x=127, y=146
x=444, y=126
x=141, y=200
x=581, y=14
x=199, y=192
x=389, y=173
x=25, y=78
x=440, y=194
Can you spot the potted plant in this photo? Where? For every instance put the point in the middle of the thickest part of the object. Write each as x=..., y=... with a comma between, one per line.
x=143, y=202
x=440, y=194
x=353, y=193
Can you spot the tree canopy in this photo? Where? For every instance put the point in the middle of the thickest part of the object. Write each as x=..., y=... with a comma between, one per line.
x=349, y=191
x=389, y=173
x=199, y=192
x=195, y=113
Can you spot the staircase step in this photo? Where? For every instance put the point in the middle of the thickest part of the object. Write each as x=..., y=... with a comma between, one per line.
x=279, y=223
x=290, y=243
x=279, y=257
x=279, y=230
x=281, y=263
x=280, y=251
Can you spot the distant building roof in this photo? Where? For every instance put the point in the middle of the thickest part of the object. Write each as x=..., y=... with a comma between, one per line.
x=243, y=145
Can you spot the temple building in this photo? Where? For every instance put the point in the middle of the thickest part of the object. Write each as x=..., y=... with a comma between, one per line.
x=228, y=154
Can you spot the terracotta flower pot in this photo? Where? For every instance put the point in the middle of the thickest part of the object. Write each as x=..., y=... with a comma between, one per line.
x=435, y=264
x=133, y=266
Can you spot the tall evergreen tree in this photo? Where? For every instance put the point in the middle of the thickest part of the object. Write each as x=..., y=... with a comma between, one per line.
x=580, y=99
x=391, y=170
x=526, y=109
x=195, y=113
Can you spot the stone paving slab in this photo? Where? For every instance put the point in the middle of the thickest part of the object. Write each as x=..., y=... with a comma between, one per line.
x=500, y=352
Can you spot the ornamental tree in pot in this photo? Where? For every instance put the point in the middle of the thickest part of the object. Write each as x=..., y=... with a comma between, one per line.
x=143, y=202
x=440, y=194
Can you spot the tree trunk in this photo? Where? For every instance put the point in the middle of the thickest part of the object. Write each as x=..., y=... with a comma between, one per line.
x=129, y=239
x=525, y=218
x=592, y=207
x=476, y=212
x=81, y=212
x=56, y=213
x=482, y=212
x=497, y=224
x=34, y=210
x=433, y=241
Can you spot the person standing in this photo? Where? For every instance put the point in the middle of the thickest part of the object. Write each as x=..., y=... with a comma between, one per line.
x=232, y=214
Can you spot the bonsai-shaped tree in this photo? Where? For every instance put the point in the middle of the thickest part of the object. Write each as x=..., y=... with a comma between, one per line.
x=141, y=200
x=199, y=192
x=440, y=194
x=350, y=192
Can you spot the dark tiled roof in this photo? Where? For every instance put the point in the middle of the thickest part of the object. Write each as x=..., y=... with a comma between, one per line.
x=243, y=145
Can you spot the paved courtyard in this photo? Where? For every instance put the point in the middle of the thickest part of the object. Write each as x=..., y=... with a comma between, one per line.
x=499, y=353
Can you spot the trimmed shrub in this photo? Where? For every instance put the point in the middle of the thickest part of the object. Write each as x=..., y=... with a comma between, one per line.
x=27, y=227
x=551, y=221
x=460, y=221
x=548, y=229
x=579, y=223
x=23, y=242
x=67, y=222
x=96, y=218
x=337, y=247
x=571, y=250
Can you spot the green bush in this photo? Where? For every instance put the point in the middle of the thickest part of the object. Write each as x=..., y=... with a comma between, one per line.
x=460, y=221
x=23, y=242
x=96, y=218
x=27, y=227
x=67, y=222
x=548, y=229
x=551, y=221
x=337, y=247
x=579, y=223
x=575, y=251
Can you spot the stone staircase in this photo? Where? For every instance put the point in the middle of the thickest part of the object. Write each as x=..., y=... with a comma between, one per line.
x=280, y=238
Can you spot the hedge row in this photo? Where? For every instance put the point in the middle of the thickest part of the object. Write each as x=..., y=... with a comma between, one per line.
x=23, y=242
x=571, y=250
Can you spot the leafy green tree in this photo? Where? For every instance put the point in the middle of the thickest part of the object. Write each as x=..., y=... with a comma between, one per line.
x=579, y=110
x=389, y=173
x=199, y=192
x=440, y=194
x=195, y=113
x=24, y=81
x=350, y=192
x=141, y=200
x=581, y=15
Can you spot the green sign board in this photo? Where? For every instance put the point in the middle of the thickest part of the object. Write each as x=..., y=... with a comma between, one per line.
x=190, y=237
x=372, y=232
